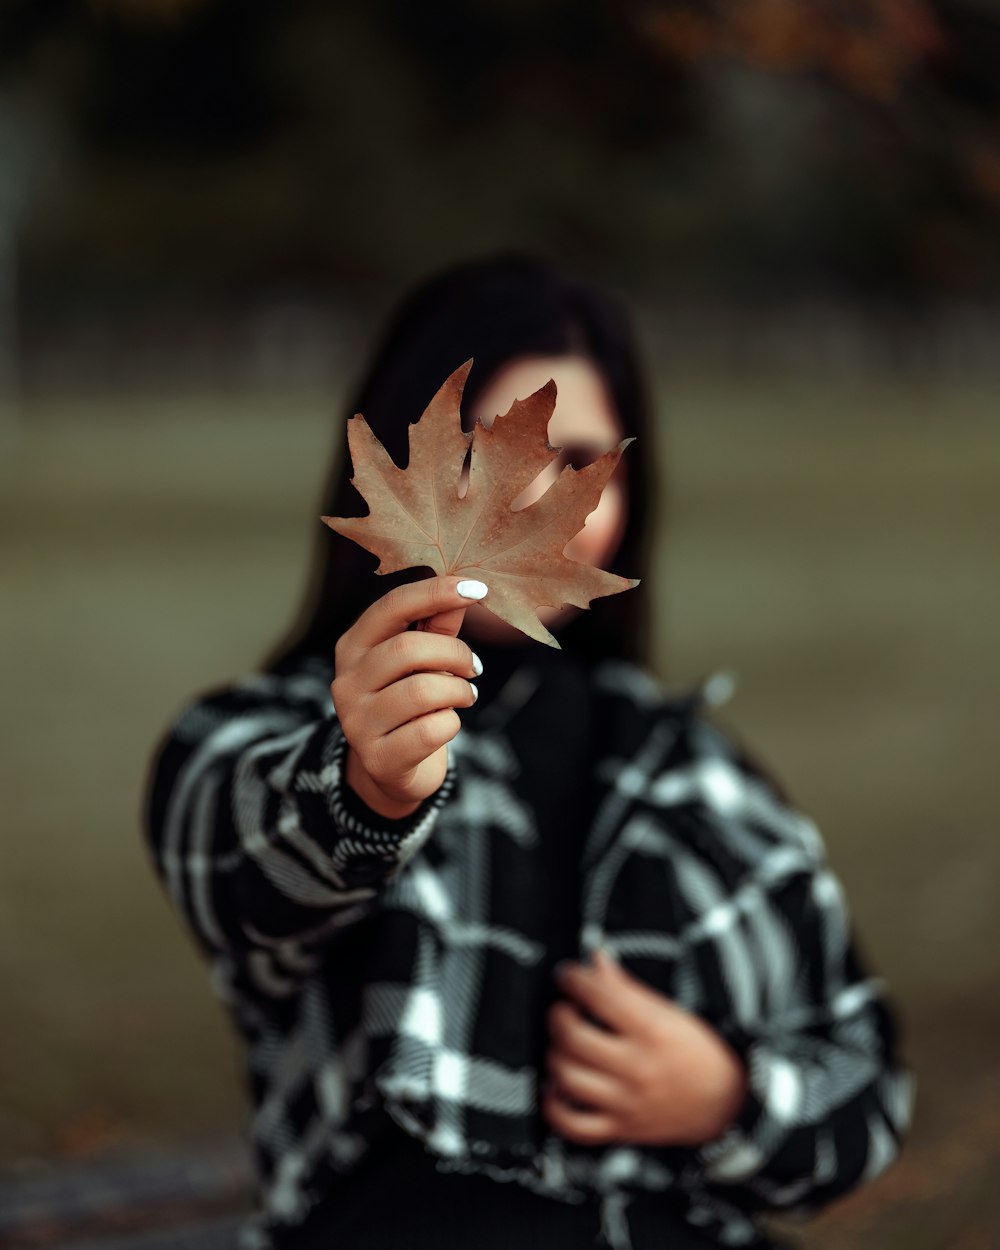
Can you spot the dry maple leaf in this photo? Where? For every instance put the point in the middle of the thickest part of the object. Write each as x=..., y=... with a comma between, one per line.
x=418, y=518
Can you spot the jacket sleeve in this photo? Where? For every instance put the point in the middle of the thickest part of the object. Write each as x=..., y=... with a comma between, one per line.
x=256, y=837
x=829, y=1099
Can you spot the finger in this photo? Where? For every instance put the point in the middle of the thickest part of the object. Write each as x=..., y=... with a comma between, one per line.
x=411, y=652
x=585, y=1042
x=586, y=1127
x=412, y=743
x=598, y=1090
x=611, y=994
x=413, y=697
x=415, y=601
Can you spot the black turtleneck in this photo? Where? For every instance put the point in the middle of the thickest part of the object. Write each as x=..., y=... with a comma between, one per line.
x=541, y=698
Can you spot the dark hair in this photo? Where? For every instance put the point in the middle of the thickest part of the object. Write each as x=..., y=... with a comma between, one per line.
x=492, y=310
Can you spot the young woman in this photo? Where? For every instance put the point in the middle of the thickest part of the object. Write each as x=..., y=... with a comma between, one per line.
x=523, y=949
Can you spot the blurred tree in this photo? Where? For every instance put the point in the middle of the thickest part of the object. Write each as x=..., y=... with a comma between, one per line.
x=181, y=75
x=758, y=145
x=868, y=46
x=147, y=12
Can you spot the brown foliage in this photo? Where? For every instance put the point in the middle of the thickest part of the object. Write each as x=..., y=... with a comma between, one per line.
x=418, y=518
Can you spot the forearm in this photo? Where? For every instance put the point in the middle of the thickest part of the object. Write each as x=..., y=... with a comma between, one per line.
x=828, y=1099
x=250, y=831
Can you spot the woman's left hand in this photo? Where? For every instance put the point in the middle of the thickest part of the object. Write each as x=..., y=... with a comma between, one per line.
x=661, y=1076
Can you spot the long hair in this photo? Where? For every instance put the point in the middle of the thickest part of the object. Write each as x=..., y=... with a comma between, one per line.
x=493, y=310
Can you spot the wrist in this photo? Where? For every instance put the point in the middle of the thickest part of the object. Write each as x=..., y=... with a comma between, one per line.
x=731, y=1087
x=372, y=794
x=735, y=1089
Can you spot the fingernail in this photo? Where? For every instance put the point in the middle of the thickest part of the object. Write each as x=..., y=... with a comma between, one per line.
x=477, y=664
x=475, y=691
x=472, y=589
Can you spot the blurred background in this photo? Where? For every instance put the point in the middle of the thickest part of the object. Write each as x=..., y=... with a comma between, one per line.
x=207, y=207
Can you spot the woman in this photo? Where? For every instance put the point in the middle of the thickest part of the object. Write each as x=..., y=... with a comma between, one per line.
x=401, y=851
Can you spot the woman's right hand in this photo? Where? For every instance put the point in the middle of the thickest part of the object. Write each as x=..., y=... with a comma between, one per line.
x=396, y=690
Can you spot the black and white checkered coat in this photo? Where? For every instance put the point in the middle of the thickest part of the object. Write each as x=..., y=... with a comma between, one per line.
x=373, y=971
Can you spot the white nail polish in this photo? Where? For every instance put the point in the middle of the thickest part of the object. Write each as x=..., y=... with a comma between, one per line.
x=475, y=691
x=471, y=589
x=477, y=664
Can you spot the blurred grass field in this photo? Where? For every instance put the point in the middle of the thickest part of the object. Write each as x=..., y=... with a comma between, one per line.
x=834, y=545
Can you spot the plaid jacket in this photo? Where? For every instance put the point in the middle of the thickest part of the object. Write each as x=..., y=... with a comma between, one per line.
x=396, y=970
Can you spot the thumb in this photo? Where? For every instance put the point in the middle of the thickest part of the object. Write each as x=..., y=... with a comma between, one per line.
x=449, y=622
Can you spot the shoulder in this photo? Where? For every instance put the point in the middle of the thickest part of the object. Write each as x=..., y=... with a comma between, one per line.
x=215, y=724
x=691, y=769
x=633, y=706
x=297, y=689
